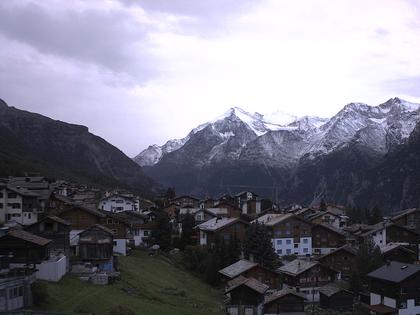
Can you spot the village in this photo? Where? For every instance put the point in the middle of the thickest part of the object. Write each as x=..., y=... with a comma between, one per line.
x=265, y=259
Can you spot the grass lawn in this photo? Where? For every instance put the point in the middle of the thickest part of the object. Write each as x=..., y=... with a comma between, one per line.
x=148, y=285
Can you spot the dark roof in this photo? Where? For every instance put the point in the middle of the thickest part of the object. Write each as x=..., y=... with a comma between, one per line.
x=237, y=268
x=28, y=237
x=297, y=266
x=332, y=288
x=332, y=229
x=251, y=283
x=395, y=272
x=405, y=212
x=54, y=218
x=279, y=294
x=185, y=196
x=383, y=225
x=84, y=208
x=22, y=191
x=345, y=248
x=98, y=226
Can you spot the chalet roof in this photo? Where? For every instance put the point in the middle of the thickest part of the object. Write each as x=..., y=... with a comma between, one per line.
x=297, y=266
x=272, y=219
x=383, y=225
x=345, y=248
x=117, y=195
x=332, y=228
x=237, y=268
x=28, y=237
x=281, y=293
x=381, y=309
x=216, y=211
x=98, y=226
x=96, y=213
x=332, y=288
x=216, y=224
x=251, y=283
x=190, y=210
x=405, y=212
x=395, y=272
x=321, y=213
x=34, y=182
x=22, y=191
x=64, y=199
x=185, y=196
x=391, y=246
x=54, y=218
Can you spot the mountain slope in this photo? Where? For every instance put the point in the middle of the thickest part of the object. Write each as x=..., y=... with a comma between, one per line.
x=34, y=143
x=302, y=161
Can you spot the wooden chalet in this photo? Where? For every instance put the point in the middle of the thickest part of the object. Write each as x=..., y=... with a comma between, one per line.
x=342, y=260
x=55, y=229
x=401, y=252
x=251, y=269
x=223, y=229
x=326, y=238
x=409, y=218
x=24, y=247
x=82, y=218
x=95, y=245
x=285, y=301
x=246, y=296
x=306, y=277
x=334, y=296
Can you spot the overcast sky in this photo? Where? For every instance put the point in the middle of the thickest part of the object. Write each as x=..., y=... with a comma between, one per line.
x=142, y=72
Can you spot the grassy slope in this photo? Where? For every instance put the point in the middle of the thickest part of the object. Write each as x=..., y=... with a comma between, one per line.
x=148, y=285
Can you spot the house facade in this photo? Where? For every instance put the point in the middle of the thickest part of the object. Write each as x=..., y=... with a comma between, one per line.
x=226, y=229
x=19, y=205
x=326, y=238
x=117, y=203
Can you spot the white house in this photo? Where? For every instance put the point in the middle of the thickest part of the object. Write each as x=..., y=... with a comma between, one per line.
x=291, y=235
x=19, y=205
x=117, y=203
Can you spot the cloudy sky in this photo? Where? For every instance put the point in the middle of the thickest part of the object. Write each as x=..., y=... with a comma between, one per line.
x=142, y=72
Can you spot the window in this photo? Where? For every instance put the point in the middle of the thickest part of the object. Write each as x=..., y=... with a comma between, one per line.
x=1, y=195
x=305, y=241
x=29, y=216
x=288, y=251
x=120, y=208
x=402, y=304
x=109, y=221
x=279, y=251
x=114, y=243
x=417, y=301
x=120, y=201
x=288, y=242
x=203, y=235
x=296, y=246
x=1, y=206
x=305, y=250
x=279, y=242
x=146, y=233
x=12, y=195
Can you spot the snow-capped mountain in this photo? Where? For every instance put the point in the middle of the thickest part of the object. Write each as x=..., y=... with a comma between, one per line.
x=282, y=139
x=303, y=159
x=257, y=123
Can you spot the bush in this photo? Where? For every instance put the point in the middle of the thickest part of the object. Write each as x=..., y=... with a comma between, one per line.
x=39, y=293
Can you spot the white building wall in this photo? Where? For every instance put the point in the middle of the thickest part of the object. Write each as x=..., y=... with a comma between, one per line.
x=379, y=237
x=52, y=270
x=411, y=309
x=375, y=299
x=390, y=302
x=203, y=238
x=286, y=246
x=258, y=207
x=140, y=235
x=120, y=246
x=117, y=204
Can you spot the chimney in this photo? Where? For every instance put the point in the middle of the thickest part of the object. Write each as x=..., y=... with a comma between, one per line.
x=251, y=257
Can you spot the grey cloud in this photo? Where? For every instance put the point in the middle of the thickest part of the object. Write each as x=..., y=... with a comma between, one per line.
x=108, y=39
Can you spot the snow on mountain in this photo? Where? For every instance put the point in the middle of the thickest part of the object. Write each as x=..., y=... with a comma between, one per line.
x=280, y=139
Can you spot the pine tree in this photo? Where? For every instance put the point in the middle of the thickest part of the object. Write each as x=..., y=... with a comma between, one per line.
x=162, y=235
x=188, y=223
x=258, y=244
x=323, y=205
x=375, y=215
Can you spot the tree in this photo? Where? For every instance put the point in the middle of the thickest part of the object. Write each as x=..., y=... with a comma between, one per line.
x=375, y=215
x=323, y=205
x=170, y=193
x=188, y=223
x=257, y=244
x=368, y=258
x=162, y=235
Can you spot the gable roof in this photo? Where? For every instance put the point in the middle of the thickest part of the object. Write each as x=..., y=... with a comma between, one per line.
x=332, y=288
x=98, y=226
x=22, y=191
x=251, y=283
x=391, y=246
x=237, y=268
x=297, y=266
x=345, y=248
x=279, y=294
x=54, y=218
x=395, y=272
x=216, y=224
x=28, y=237
x=405, y=212
x=331, y=228
x=94, y=212
x=382, y=225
